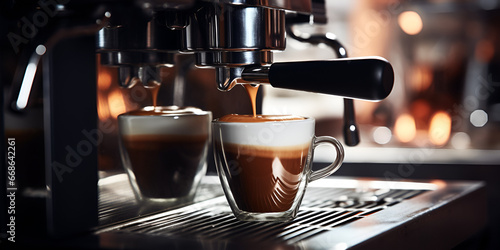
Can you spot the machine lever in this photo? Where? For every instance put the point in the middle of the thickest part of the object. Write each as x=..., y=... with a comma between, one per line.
x=368, y=78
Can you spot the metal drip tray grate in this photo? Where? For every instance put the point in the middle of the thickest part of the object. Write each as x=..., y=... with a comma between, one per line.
x=117, y=202
x=327, y=204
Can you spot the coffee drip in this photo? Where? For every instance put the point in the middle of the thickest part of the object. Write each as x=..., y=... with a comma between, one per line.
x=154, y=93
x=153, y=87
x=252, y=93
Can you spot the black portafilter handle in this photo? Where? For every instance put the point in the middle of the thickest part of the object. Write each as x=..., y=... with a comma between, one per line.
x=366, y=78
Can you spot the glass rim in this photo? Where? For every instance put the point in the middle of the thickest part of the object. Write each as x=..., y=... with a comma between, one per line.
x=306, y=119
x=181, y=111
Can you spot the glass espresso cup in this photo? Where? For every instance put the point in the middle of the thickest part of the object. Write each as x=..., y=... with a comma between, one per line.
x=264, y=163
x=163, y=151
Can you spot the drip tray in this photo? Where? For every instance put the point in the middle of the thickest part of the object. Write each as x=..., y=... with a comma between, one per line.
x=336, y=213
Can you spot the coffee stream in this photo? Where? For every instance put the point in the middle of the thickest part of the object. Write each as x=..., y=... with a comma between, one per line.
x=252, y=93
x=154, y=93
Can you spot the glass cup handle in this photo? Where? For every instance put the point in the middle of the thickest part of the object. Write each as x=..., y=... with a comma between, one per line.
x=332, y=168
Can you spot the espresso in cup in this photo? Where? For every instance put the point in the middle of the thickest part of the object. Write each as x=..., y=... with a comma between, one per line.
x=264, y=163
x=281, y=167
x=164, y=150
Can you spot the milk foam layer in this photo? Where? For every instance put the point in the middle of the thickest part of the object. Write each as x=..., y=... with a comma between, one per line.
x=165, y=121
x=259, y=118
x=283, y=133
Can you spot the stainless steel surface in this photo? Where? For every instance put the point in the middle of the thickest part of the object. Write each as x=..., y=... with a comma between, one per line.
x=232, y=36
x=256, y=74
x=223, y=34
x=118, y=203
x=142, y=34
x=235, y=28
x=161, y=4
x=147, y=75
x=227, y=78
x=336, y=212
x=136, y=58
x=233, y=58
x=304, y=6
x=295, y=5
x=137, y=44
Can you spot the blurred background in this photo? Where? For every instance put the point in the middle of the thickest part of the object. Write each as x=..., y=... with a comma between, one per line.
x=447, y=66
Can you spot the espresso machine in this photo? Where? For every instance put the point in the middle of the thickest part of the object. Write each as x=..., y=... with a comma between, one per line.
x=58, y=45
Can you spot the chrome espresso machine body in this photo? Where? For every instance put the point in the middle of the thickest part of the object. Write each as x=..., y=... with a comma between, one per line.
x=53, y=90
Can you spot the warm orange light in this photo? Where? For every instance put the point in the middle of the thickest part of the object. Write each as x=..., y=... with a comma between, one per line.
x=405, y=129
x=410, y=22
x=439, y=183
x=116, y=103
x=421, y=78
x=103, y=80
x=102, y=108
x=440, y=128
x=420, y=109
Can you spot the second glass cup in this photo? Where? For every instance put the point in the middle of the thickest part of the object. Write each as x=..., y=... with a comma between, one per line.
x=163, y=150
x=265, y=164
